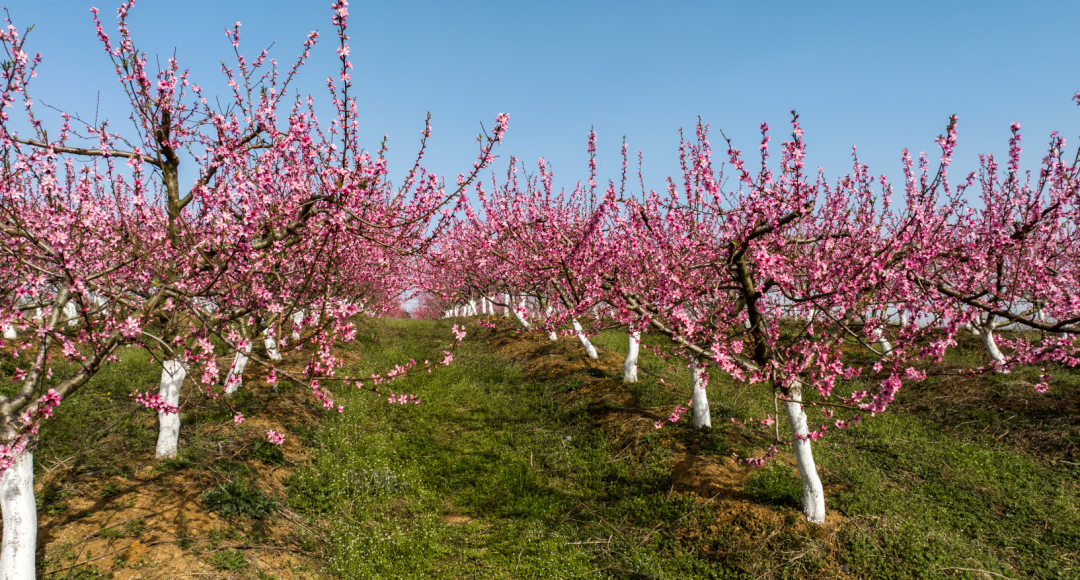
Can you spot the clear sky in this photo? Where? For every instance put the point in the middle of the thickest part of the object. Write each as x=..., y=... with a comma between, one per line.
x=879, y=75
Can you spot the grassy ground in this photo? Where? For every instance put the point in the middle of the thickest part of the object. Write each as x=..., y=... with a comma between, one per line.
x=516, y=468
x=527, y=460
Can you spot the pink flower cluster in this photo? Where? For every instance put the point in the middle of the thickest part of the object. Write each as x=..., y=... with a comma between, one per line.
x=674, y=418
x=154, y=402
x=275, y=437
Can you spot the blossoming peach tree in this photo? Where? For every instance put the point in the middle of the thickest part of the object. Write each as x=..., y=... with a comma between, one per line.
x=103, y=247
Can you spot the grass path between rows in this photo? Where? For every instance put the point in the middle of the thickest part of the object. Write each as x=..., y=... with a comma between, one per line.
x=511, y=468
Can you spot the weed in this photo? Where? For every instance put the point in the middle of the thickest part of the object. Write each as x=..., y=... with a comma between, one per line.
x=89, y=572
x=110, y=489
x=267, y=452
x=238, y=498
x=229, y=560
x=775, y=485
x=177, y=463
x=131, y=529
x=185, y=542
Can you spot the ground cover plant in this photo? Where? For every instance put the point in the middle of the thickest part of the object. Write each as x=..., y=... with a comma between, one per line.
x=521, y=463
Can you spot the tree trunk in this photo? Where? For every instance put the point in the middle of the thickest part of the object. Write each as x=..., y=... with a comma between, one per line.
x=547, y=312
x=271, y=349
x=630, y=366
x=70, y=313
x=882, y=342
x=9, y=332
x=518, y=314
x=297, y=320
x=20, y=519
x=235, y=379
x=589, y=348
x=987, y=336
x=698, y=383
x=813, y=494
x=172, y=377
x=508, y=307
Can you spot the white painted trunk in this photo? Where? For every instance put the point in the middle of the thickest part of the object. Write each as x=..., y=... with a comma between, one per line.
x=69, y=314
x=472, y=308
x=271, y=349
x=630, y=366
x=507, y=308
x=882, y=342
x=172, y=376
x=589, y=348
x=903, y=319
x=698, y=384
x=9, y=332
x=987, y=336
x=813, y=493
x=297, y=319
x=519, y=315
x=547, y=312
x=20, y=519
x=233, y=384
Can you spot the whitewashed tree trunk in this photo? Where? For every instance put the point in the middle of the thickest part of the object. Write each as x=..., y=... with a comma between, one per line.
x=271, y=349
x=630, y=366
x=521, y=320
x=508, y=307
x=70, y=313
x=882, y=342
x=813, y=493
x=589, y=348
x=987, y=336
x=903, y=318
x=172, y=377
x=698, y=385
x=237, y=370
x=520, y=316
x=547, y=311
x=20, y=519
x=472, y=308
x=9, y=332
x=297, y=319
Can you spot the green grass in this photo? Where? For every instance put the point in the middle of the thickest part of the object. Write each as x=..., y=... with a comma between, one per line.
x=499, y=474
x=493, y=476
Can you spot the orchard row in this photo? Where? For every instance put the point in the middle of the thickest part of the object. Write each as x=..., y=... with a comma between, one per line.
x=288, y=229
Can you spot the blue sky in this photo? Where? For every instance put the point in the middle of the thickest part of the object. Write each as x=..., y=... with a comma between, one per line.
x=882, y=76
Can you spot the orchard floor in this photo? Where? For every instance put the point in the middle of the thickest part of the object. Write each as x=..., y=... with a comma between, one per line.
x=528, y=460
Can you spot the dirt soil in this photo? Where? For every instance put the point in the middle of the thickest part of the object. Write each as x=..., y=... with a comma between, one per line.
x=153, y=523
